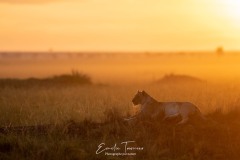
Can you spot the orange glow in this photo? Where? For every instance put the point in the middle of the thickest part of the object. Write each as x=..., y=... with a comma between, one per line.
x=106, y=25
x=231, y=9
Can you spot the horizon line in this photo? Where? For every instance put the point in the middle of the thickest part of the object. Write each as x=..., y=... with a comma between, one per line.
x=122, y=52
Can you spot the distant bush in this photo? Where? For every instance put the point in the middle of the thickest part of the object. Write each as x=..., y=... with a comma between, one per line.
x=75, y=78
x=172, y=78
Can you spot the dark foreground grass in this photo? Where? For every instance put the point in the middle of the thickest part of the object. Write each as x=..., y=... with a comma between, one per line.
x=218, y=138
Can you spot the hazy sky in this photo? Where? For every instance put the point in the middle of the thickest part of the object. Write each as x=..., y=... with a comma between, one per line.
x=125, y=25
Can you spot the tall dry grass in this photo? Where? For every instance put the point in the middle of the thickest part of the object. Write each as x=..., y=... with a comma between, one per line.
x=85, y=116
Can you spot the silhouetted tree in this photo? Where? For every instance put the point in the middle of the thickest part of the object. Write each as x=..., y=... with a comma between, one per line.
x=219, y=50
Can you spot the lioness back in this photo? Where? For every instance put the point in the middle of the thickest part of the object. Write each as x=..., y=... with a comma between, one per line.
x=182, y=108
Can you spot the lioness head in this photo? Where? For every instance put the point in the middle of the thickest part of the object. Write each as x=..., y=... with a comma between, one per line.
x=139, y=98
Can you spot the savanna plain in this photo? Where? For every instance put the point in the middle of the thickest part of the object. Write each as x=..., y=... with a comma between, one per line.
x=59, y=118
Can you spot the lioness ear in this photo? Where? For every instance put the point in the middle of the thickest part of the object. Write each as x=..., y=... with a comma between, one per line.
x=143, y=92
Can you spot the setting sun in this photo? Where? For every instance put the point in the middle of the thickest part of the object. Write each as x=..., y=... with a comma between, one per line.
x=232, y=10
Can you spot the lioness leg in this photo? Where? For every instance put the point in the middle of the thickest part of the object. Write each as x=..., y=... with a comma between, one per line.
x=173, y=116
x=183, y=121
x=131, y=118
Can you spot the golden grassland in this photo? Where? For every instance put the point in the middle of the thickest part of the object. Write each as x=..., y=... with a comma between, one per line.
x=40, y=119
x=82, y=117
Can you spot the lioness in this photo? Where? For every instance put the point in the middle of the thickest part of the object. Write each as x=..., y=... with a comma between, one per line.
x=152, y=109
